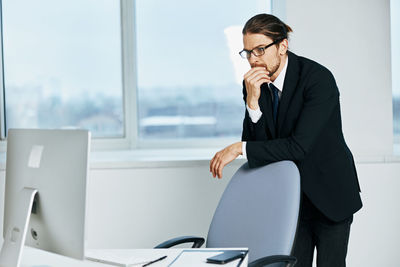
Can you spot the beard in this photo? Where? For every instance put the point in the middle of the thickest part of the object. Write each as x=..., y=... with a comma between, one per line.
x=272, y=68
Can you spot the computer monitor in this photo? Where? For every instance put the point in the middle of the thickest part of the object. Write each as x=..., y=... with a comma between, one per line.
x=53, y=163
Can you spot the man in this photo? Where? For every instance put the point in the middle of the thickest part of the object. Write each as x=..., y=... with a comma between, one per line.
x=293, y=113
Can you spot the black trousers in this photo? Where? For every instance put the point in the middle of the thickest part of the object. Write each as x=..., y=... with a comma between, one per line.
x=315, y=230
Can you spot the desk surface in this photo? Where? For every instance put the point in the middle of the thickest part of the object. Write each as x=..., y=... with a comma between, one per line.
x=32, y=257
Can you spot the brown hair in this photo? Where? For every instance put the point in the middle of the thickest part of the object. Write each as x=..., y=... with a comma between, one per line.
x=268, y=25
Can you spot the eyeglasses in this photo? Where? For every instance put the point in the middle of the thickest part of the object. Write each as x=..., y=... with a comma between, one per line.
x=258, y=51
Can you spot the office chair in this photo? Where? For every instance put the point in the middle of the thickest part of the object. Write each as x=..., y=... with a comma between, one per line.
x=259, y=210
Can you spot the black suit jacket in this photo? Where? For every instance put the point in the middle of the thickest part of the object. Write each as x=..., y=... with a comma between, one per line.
x=309, y=132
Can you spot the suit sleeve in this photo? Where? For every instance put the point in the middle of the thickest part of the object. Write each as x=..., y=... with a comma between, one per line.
x=246, y=133
x=252, y=131
x=321, y=97
x=247, y=123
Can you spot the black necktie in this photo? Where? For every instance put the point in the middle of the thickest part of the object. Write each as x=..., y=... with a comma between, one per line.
x=275, y=100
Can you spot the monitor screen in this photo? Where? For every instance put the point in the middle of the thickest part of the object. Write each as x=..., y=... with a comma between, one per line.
x=55, y=163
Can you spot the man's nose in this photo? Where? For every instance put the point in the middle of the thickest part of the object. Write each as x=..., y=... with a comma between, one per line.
x=253, y=60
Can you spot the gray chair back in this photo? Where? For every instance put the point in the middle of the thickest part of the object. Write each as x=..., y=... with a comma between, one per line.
x=259, y=209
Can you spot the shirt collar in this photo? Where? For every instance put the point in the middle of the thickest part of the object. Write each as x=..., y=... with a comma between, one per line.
x=278, y=83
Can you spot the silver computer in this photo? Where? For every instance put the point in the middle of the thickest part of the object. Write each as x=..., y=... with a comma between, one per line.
x=45, y=192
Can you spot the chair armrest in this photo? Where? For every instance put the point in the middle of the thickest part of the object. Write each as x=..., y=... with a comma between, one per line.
x=197, y=242
x=273, y=259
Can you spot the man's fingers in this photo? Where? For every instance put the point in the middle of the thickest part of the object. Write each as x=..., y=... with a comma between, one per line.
x=214, y=163
x=254, y=89
x=222, y=158
x=220, y=167
x=255, y=73
x=211, y=163
x=221, y=164
x=253, y=81
x=261, y=81
x=216, y=169
x=255, y=69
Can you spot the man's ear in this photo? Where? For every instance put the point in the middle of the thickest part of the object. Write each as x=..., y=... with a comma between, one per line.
x=283, y=47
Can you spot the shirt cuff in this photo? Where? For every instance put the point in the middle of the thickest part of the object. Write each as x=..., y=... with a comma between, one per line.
x=255, y=115
x=244, y=154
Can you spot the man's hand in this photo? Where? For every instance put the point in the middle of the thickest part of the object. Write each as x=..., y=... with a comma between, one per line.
x=224, y=157
x=253, y=80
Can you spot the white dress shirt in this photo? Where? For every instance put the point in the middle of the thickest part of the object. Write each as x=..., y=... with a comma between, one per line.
x=255, y=115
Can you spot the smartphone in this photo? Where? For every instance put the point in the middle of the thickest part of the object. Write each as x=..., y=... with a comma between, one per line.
x=227, y=256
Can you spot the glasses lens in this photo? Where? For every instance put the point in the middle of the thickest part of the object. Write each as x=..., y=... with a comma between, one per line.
x=259, y=51
x=244, y=54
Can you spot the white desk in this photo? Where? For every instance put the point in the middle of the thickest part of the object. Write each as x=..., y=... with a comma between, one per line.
x=32, y=257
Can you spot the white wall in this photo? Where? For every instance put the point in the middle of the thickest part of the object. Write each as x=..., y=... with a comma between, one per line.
x=144, y=206
x=352, y=39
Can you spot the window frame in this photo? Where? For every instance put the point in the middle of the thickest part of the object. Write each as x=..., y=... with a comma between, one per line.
x=128, y=85
x=394, y=12
x=2, y=97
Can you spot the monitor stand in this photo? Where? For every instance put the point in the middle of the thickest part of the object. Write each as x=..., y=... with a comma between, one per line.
x=10, y=255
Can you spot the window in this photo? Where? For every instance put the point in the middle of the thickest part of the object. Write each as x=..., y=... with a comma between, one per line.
x=140, y=71
x=62, y=65
x=190, y=74
x=395, y=39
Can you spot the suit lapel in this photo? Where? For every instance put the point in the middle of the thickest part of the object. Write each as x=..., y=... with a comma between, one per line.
x=289, y=86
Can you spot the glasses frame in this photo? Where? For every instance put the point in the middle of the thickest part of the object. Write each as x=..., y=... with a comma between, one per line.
x=247, y=53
